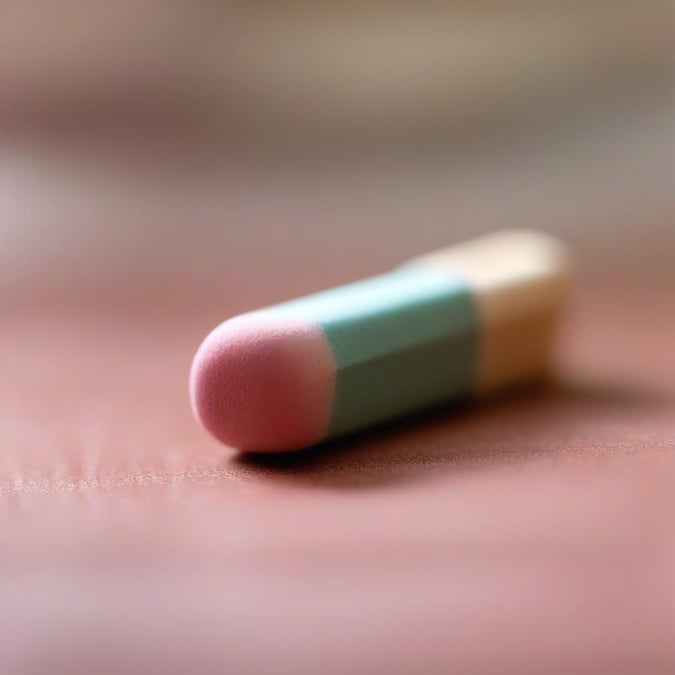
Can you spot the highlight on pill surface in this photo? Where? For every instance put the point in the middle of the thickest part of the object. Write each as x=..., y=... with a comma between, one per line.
x=460, y=322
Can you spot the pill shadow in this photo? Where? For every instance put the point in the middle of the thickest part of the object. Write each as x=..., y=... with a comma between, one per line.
x=563, y=418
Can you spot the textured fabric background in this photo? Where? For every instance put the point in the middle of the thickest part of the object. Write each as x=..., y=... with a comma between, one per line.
x=531, y=534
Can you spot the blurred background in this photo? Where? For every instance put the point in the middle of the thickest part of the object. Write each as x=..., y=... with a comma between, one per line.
x=165, y=164
x=159, y=149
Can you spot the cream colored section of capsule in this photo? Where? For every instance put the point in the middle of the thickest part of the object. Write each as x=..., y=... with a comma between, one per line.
x=518, y=279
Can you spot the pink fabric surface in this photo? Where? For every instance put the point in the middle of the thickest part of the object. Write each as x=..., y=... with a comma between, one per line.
x=530, y=534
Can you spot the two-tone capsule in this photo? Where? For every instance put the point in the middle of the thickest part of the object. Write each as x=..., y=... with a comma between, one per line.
x=465, y=320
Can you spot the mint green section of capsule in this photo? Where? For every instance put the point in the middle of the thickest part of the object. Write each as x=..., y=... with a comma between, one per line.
x=402, y=342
